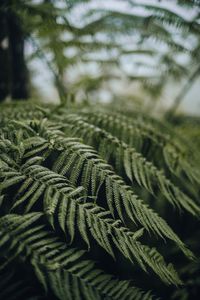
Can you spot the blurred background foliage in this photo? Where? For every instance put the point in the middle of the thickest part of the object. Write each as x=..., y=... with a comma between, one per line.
x=108, y=51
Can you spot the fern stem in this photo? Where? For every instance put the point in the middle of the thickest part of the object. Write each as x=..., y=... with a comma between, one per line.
x=179, y=98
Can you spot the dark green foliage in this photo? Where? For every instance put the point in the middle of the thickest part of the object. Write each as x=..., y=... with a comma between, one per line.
x=92, y=203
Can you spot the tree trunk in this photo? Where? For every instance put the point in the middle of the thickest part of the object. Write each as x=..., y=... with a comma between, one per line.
x=13, y=71
x=5, y=72
x=19, y=89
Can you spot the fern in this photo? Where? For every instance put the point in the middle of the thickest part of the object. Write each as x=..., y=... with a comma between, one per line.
x=94, y=172
x=144, y=172
x=70, y=185
x=72, y=213
x=136, y=132
x=58, y=266
x=58, y=34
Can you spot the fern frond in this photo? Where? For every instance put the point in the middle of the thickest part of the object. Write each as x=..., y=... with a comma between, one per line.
x=81, y=162
x=60, y=267
x=169, y=17
x=147, y=26
x=134, y=164
x=86, y=217
x=138, y=128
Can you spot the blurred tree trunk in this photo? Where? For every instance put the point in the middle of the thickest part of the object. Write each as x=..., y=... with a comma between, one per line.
x=19, y=89
x=13, y=73
x=180, y=97
x=5, y=73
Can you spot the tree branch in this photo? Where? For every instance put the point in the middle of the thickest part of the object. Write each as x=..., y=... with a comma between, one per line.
x=179, y=98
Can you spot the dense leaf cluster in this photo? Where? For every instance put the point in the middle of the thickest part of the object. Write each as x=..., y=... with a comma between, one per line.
x=91, y=204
